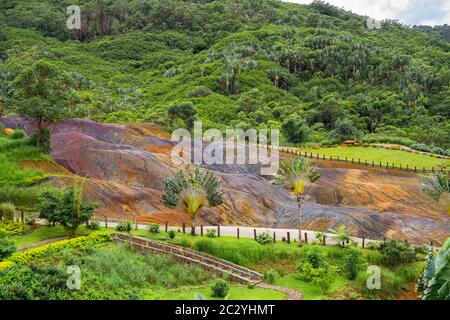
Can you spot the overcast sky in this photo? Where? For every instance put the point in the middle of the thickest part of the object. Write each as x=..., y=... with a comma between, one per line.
x=410, y=12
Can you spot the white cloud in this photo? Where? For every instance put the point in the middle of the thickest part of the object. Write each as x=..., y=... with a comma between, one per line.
x=406, y=11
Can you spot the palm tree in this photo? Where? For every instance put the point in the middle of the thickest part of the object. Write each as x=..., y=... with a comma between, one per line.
x=294, y=172
x=438, y=187
x=191, y=188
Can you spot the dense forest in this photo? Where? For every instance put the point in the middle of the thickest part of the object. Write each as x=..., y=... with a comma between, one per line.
x=317, y=71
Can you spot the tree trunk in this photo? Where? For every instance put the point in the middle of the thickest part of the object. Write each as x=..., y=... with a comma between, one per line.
x=193, y=226
x=299, y=202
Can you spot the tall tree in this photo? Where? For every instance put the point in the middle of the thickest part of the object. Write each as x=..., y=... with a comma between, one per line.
x=191, y=188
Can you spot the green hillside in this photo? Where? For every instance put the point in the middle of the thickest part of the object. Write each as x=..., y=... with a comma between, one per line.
x=315, y=71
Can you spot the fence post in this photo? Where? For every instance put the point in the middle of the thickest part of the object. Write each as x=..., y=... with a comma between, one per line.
x=201, y=230
x=363, y=242
x=106, y=222
x=288, y=238
x=274, y=237
x=324, y=240
x=218, y=231
x=373, y=163
x=184, y=228
x=254, y=234
x=415, y=169
x=22, y=216
x=238, y=233
x=167, y=226
x=306, y=237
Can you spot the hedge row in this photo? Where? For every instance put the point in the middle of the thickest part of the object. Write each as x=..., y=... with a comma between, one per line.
x=26, y=256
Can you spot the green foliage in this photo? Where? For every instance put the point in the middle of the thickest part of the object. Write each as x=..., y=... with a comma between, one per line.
x=31, y=221
x=153, y=227
x=42, y=140
x=353, y=262
x=219, y=288
x=184, y=111
x=345, y=130
x=69, y=210
x=396, y=252
x=211, y=233
x=7, y=247
x=264, y=238
x=18, y=134
x=7, y=211
x=124, y=226
x=270, y=276
x=434, y=283
x=13, y=228
x=171, y=234
x=93, y=225
x=341, y=235
x=295, y=129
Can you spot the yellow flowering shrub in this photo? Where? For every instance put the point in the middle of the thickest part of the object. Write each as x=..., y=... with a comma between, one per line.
x=8, y=131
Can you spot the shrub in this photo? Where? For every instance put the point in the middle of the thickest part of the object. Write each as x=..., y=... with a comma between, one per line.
x=270, y=276
x=342, y=236
x=7, y=211
x=219, y=288
x=295, y=129
x=13, y=228
x=18, y=134
x=314, y=257
x=321, y=277
x=31, y=221
x=264, y=238
x=124, y=226
x=79, y=243
x=41, y=140
x=211, y=233
x=353, y=262
x=200, y=91
x=171, y=234
x=7, y=248
x=153, y=228
x=345, y=129
x=93, y=225
x=396, y=252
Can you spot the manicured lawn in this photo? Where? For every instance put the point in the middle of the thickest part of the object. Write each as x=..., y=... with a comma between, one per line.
x=237, y=292
x=40, y=233
x=393, y=157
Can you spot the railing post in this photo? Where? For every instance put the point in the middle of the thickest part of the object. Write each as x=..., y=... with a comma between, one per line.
x=238, y=235
x=274, y=237
x=166, y=226
x=363, y=242
x=22, y=216
x=201, y=230
x=254, y=234
x=324, y=240
x=218, y=231
x=106, y=222
x=289, y=237
x=184, y=228
x=306, y=237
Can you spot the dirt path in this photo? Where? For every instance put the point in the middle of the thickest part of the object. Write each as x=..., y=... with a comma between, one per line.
x=291, y=294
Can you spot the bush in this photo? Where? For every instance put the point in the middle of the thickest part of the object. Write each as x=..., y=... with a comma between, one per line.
x=345, y=130
x=79, y=243
x=18, y=134
x=200, y=91
x=171, y=234
x=295, y=129
x=153, y=228
x=375, y=138
x=7, y=211
x=396, y=252
x=314, y=257
x=322, y=277
x=211, y=233
x=425, y=148
x=353, y=262
x=125, y=226
x=7, y=247
x=219, y=288
x=270, y=276
x=264, y=238
x=42, y=140
x=13, y=228
x=31, y=221
x=93, y=225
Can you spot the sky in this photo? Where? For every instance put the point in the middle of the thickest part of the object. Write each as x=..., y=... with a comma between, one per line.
x=409, y=12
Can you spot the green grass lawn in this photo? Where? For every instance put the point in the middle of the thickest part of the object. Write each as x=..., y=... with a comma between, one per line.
x=39, y=233
x=237, y=292
x=393, y=157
